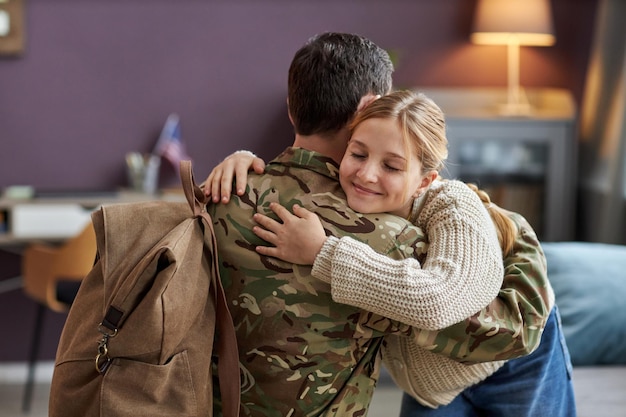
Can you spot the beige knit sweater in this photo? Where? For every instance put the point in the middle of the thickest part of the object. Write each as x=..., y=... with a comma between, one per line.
x=462, y=273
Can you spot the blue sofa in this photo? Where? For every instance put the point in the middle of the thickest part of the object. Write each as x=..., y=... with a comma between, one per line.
x=589, y=281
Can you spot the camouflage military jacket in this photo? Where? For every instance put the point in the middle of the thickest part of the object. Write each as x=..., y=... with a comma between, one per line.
x=302, y=354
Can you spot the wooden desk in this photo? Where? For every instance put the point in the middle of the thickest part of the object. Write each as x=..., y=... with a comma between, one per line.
x=66, y=204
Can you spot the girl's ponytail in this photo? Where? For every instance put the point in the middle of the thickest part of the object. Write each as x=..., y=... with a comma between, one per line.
x=505, y=227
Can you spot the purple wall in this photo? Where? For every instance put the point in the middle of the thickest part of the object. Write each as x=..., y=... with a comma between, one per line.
x=98, y=79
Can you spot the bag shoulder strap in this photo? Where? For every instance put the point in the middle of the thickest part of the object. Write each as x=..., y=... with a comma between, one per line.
x=226, y=342
x=195, y=196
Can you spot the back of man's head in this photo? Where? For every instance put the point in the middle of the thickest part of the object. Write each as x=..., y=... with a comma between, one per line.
x=328, y=77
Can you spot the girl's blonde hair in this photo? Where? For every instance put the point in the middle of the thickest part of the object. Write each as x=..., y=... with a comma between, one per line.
x=424, y=131
x=505, y=227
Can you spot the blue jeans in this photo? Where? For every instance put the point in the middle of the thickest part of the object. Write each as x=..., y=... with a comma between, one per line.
x=537, y=385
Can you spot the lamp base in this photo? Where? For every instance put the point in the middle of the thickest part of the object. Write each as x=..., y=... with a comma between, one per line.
x=515, y=109
x=517, y=104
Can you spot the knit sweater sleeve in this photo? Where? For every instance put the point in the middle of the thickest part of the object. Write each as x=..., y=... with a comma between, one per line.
x=462, y=273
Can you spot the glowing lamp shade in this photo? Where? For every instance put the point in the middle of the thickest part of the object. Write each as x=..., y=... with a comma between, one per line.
x=513, y=23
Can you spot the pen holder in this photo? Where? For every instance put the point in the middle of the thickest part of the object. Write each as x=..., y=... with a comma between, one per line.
x=143, y=172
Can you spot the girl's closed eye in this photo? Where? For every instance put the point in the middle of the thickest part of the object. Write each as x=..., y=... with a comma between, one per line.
x=393, y=167
x=357, y=155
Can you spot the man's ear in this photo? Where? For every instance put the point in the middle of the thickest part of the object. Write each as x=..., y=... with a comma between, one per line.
x=289, y=112
x=366, y=100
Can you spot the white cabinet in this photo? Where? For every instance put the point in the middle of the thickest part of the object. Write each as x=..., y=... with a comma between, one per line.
x=527, y=164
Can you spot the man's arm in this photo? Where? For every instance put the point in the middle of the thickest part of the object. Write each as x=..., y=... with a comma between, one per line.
x=511, y=325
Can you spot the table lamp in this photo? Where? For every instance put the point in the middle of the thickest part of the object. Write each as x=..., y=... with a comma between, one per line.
x=513, y=23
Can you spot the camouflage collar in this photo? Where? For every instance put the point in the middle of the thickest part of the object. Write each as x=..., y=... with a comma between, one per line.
x=313, y=161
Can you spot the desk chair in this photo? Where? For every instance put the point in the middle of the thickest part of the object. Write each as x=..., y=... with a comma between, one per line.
x=51, y=276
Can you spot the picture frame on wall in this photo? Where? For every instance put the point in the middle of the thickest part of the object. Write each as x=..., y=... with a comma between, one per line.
x=12, y=27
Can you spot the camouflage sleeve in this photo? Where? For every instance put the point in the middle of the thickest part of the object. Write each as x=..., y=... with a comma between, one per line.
x=511, y=325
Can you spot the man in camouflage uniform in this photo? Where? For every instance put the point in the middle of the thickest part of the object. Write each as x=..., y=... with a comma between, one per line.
x=302, y=354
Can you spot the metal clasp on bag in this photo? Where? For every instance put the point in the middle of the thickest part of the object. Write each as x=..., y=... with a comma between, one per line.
x=103, y=360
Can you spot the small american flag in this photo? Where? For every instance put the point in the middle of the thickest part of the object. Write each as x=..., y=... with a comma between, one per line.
x=169, y=145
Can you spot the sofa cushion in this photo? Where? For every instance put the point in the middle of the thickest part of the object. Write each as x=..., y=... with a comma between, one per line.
x=589, y=281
